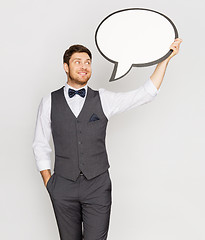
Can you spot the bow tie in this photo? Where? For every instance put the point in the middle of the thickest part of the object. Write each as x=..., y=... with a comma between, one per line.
x=72, y=92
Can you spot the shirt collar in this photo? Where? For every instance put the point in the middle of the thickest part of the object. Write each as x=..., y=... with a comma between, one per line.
x=67, y=86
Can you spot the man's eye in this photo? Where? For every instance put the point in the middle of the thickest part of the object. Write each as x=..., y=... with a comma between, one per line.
x=77, y=62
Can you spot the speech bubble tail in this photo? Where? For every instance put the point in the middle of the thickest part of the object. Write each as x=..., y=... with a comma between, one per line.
x=120, y=70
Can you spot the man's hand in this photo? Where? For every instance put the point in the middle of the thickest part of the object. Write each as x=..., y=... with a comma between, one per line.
x=46, y=174
x=175, y=47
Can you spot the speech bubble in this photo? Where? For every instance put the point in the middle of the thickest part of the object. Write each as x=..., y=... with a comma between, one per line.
x=134, y=37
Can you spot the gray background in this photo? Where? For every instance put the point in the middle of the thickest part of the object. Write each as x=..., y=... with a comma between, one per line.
x=156, y=151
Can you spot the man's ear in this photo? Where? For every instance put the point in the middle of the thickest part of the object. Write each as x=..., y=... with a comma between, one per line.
x=66, y=68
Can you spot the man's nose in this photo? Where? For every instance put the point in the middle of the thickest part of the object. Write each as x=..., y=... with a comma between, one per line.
x=83, y=65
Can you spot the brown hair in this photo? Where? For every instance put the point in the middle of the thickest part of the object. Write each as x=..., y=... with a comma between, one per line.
x=73, y=49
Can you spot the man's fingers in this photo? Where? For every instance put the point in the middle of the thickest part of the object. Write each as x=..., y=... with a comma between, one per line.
x=175, y=45
x=178, y=39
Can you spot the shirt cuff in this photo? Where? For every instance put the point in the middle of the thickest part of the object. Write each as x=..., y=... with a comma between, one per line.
x=150, y=88
x=43, y=165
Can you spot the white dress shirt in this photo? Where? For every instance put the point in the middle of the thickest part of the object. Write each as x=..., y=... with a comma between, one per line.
x=112, y=103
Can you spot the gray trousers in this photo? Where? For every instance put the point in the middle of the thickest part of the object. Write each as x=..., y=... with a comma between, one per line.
x=82, y=208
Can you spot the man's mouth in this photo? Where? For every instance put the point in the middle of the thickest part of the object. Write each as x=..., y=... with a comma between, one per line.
x=82, y=73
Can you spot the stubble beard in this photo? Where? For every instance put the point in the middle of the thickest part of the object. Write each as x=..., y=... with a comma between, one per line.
x=76, y=80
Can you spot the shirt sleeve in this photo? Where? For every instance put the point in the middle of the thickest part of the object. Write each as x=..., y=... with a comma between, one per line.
x=41, y=146
x=114, y=103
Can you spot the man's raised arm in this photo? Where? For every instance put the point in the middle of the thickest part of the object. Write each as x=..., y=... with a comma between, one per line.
x=158, y=74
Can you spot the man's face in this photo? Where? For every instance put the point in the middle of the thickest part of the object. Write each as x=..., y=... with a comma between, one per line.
x=79, y=69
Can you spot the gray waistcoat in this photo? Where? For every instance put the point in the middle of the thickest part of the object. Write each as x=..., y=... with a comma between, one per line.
x=79, y=143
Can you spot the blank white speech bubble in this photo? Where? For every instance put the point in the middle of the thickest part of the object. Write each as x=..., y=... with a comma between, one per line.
x=135, y=37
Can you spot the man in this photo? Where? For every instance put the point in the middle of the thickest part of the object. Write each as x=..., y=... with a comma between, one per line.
x=77, y=116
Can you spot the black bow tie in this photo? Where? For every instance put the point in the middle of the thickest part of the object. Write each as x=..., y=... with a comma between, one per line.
x=72, y=92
